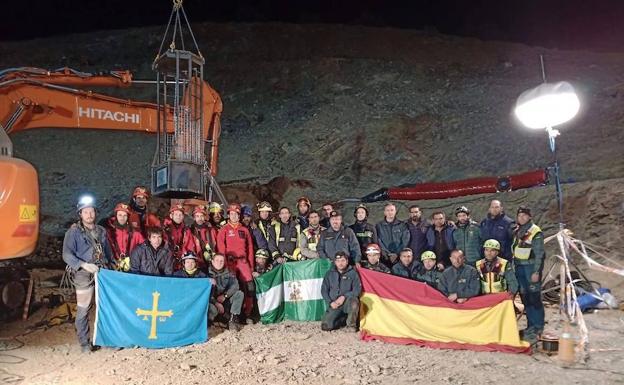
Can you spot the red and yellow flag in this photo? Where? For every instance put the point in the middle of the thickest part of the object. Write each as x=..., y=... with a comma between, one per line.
x=403, y=311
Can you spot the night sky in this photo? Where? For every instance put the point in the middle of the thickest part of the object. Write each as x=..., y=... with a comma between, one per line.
x=564, y=24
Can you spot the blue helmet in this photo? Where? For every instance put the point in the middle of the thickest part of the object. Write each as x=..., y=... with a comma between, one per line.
x=246, y=210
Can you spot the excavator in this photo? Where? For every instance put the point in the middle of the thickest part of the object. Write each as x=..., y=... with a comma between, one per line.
x=185, y=119
x=33, y=98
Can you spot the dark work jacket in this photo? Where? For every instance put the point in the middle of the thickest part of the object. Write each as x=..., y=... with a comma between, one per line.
x=260, y=234
x=380, y=267
x=78, y=247
x=286, y=242
x=226, y=282
x=336, y=284
x=418, y=237
x=430, y=277
x=499, y=228
x=463, y=281
x=144, y=259
x=393, y=236
x=365, y=234
x=332, y=242
x=184, y=274
x=410, y=271
x=447, y=237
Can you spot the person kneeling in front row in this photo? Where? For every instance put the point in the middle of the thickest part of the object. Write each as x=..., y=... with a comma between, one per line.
x=341, y=290
x=225, y=293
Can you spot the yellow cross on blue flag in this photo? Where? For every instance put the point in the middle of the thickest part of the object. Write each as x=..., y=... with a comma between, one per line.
x=151, y=312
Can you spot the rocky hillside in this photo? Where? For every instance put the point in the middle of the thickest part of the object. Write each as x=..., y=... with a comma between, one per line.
x=344, y=111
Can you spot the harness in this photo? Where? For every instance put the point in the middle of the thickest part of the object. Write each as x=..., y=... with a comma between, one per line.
x=116, y=247
x=98, y=249
x=492, y=279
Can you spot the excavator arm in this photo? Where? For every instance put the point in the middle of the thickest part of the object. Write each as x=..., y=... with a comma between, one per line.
x=36, y=98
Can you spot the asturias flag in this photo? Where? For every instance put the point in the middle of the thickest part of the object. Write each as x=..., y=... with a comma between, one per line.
x=398, y=310
x=152, y=312
x=292, y=291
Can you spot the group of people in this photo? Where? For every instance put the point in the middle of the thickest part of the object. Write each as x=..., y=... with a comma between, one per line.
x=459, y=258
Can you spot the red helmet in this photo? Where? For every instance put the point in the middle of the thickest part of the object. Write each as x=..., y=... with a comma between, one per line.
x=200, y=209
x=373, y=248
x=177, y=207
x=122, y=207
x=234, y=207
x=141, y=191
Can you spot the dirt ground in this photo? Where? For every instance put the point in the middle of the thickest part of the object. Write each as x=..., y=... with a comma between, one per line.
x=336, y=112
x=295, y=353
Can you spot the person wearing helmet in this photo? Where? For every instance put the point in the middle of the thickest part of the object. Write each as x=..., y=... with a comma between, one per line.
x=216, y=215
x=467, y=235
x=122, y=237
x=528, y=259
x=429, y=274
x=204, y=234
x=85, y=251
x=234, y=241
x=364, y=231
x=246, y=216
x=284, y=238
x=177, y=234
x=373, y=255
x=260, y=228
x=496, y=273
x=303, y=208
x=189, y=267
x=309, y=237
x=225, y=295
x=262, y=263
x=407, y=266
x=139, y=217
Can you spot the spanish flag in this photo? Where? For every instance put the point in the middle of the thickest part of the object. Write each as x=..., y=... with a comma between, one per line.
x=402, y=311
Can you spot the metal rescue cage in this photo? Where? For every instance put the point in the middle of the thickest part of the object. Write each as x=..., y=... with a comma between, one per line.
x=179, y=165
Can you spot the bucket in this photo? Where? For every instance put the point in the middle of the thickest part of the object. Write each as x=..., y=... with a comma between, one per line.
x=566, y=353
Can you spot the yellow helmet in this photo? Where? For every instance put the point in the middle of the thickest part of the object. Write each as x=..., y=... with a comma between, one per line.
x=215, y=207
x=428, y=255
x=491, y=244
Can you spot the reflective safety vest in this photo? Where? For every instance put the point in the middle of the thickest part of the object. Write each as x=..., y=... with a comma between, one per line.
x=492, y=281
x=312, y=238
x=521, y=248
x=296, y=255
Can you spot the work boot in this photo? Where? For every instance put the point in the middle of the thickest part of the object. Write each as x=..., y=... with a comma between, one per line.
x=234, y=323
x=87, y=349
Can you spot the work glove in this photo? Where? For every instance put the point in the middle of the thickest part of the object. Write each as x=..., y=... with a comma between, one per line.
x=90, y=267
x=123, y=264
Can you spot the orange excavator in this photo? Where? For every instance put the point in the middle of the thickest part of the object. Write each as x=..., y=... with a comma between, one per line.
x=33, y=98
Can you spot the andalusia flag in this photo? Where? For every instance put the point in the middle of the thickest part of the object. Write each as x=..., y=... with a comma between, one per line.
x=292, y=291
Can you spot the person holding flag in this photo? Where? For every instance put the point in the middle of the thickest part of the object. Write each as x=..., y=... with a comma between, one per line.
x=234, y=241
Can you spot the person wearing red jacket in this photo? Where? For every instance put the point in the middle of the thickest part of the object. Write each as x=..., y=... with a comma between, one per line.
x=179, y=237
x=139, y=216
x=234, y=241
x=205, y=236
x=122, y=237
